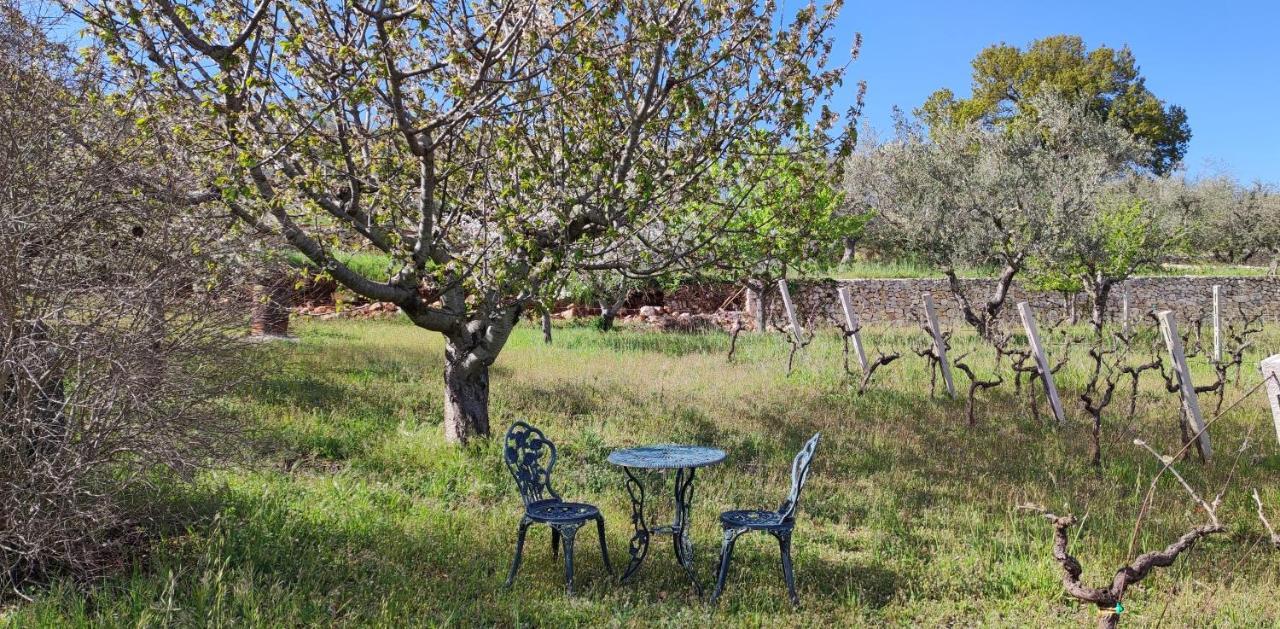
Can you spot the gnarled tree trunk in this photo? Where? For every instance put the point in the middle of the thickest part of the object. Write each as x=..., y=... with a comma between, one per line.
x=984, y=321
x=609, y=310
x=1101, y=294
x=466, y=395
x=850, y=250
x=607, y=316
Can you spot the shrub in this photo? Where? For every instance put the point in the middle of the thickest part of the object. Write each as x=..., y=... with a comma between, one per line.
x=114, y=344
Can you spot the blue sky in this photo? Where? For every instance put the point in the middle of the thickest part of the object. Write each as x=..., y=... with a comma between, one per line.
x=1220, y=60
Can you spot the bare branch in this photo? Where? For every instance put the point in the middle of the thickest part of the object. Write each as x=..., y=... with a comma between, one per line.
x=1275, y=538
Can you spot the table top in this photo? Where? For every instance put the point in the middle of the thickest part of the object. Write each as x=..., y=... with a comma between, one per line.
x=664, y=456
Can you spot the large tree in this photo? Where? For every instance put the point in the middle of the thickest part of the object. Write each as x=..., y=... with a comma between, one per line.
x=488, y=146
x=789, y=221
x=1106, y=79
x=1122, y=234
x=968, y=195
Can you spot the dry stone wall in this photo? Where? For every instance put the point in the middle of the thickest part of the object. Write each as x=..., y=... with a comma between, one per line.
x=898, y=301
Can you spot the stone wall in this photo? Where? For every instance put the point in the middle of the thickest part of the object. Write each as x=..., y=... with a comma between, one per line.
x=898, y=301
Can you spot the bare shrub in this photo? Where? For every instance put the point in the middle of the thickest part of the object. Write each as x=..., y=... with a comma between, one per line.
x=113, y=345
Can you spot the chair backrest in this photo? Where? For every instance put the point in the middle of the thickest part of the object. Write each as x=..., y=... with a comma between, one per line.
x=530, y=458
x=799, y=473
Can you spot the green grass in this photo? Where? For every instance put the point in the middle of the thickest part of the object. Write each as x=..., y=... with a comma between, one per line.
x=357, y=513
x=1211, y=269
x=909, y=269
x=374, y=265
x=377, y=266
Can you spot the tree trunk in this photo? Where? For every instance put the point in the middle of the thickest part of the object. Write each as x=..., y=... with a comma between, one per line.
x=1101, y=295
x=466, y=397
x=850, y=249
x=271, y=300
x=985, y=322
x=607, y=315
x=546, y=324
x=609, y=311
x=756, y=305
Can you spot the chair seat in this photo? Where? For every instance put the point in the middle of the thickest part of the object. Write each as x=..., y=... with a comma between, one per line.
x=557, y=511
x=754, y=519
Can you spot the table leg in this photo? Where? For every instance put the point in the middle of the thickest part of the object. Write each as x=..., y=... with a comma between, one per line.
x=680, y=528
x=639, y=546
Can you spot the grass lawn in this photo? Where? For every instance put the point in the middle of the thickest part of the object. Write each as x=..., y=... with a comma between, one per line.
x=378, y=266
x=356, y=513
x=907, y=269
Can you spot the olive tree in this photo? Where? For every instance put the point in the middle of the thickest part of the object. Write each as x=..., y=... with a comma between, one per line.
x=1267, y=229
x=1122, y=235
x=1229, y=221
x=489, y=146
x=969, y=195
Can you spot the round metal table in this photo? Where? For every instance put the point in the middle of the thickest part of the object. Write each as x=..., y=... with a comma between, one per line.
x=684, y=459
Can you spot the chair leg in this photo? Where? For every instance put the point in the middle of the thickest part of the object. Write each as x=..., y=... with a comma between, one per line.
x=515, y=564
x=726, y=553
x=570, y=531
x=604, y=547
x=555, y=543
x=784, y=546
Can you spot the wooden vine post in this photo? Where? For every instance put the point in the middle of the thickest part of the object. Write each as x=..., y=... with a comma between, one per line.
x=939, y=343
x=1271, y=374
x=1190, y=403
x=1124, y=309
x=1217, y=323
x=852, y=327
x=796, y=332
x=1042, y=361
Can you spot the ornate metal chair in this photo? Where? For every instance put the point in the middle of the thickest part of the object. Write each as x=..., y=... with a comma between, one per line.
x=531, y=457
x=777, y=523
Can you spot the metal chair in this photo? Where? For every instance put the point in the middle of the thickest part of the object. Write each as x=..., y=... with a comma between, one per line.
x=530, y=457
x=776, y=523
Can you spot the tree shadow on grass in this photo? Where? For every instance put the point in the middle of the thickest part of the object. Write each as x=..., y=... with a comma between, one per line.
x=1004, y=445
x=873, y=585
x=755, y=582
x=265, y=560
x=302, y=391
x=332, y=419
x=569, y=399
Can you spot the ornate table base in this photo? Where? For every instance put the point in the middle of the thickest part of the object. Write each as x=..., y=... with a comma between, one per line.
x=678, y=529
